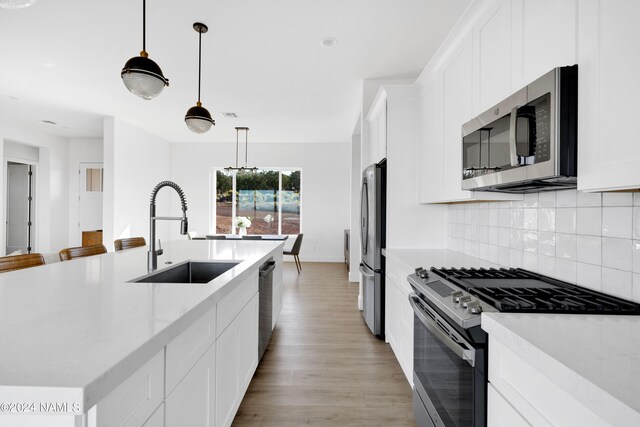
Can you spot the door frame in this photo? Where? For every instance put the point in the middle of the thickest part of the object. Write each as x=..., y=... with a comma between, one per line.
x=36, y=206
x=80, y=186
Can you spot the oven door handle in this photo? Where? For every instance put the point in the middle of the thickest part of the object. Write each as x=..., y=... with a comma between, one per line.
x=468, y=355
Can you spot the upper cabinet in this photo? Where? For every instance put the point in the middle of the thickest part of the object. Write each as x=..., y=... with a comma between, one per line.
x=608, y=60
x=377, y=121
x=543, y=37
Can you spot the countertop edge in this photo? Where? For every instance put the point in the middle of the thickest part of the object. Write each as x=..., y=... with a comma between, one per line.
x=576, y=385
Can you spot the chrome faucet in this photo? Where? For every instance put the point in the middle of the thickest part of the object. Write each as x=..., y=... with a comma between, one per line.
x=152, y=255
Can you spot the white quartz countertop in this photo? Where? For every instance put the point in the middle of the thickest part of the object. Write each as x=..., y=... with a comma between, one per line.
x=77, y=329
x=595, y=359
x=427, y=258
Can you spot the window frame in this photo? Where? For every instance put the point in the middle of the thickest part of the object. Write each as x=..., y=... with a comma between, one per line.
x=213, y=199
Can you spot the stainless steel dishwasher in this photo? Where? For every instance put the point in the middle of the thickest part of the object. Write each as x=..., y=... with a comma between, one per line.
x=265, y=288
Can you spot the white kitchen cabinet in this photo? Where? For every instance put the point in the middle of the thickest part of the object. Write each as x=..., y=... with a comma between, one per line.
x=535, y=397
x=430, y=146
x=543, y=37
x=500, y=413
x=135, y=400
x=192, y=402
x=377, y=120
x=399, y=317
x=236, y=362
x=157, y=419
x=277, y=290
x=492, y=56
x=608, y=63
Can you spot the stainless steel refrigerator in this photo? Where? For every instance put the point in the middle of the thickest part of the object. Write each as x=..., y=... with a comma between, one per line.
x=372, y=238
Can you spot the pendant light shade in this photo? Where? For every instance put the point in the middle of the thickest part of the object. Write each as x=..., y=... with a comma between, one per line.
x=246, y=152
x=142, y=76
x=198, y=118
x=15, y=4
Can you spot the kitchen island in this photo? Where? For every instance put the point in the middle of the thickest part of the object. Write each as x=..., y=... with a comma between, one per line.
x=81, y=345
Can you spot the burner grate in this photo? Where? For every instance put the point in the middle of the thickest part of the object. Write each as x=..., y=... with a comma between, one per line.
x=518, y=290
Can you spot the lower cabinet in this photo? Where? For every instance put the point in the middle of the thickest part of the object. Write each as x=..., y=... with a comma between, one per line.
x=236, y=361
x=192, y=402
x=399, y=318
x=500, y=413
x=157, y=419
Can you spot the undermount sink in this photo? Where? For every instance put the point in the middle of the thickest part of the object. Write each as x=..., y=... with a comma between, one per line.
x=189, y=272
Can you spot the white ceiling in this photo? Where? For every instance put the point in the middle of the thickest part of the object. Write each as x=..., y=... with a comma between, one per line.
x=262, y=59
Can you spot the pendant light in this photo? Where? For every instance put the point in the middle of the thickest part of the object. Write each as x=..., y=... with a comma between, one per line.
x=142, y=76
x=16, y=4
x=198, y=118
x=246, y=152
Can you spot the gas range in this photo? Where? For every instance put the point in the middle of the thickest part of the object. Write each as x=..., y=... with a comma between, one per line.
x=463, y=294
x=450, y=348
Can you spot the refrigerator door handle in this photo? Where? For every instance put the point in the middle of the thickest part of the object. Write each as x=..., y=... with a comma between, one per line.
x=366, y=272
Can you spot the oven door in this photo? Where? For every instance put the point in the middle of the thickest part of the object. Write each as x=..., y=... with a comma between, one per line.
x=449, y=372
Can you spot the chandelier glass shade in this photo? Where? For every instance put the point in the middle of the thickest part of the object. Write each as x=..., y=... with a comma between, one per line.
x=141, y=75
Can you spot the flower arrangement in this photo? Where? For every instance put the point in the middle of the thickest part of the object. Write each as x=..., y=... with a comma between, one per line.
x=242, y=222
x=268, y=218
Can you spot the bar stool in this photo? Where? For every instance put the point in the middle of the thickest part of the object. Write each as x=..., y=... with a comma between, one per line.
x=128, y=243
x=81, y=251
x=18, y=262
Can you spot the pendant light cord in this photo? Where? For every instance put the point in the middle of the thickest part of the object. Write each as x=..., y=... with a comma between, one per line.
x=144, y=25
x=246, y=147
x=199, y=60
x=237, y=143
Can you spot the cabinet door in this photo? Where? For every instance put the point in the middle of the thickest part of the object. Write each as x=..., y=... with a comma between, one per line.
x=500, y=413
x=609, y=147
x=457, y=74
x=248, y=342
x=373, y=143
x=391, y=316
x=157, y=419
x=430, y=146
x=492, y=56
x=544, y=37
x=236, y=361
x=191, y=403
x=382, y=133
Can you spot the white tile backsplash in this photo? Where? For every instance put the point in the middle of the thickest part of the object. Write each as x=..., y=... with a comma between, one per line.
x=591, y=239
x=589, y=221
x=617, y=222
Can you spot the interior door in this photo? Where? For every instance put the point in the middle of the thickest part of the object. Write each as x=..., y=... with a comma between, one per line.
x=90, y=200
x=19, y=215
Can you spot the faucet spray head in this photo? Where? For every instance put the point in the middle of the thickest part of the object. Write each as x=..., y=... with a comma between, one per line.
x=184, y=226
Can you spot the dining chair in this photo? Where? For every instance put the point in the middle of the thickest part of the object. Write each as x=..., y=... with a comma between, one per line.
x=216, y=237
x=295, y=252
x=128, y=243
x=81, y=251
x=18, y=262
x=252, y=237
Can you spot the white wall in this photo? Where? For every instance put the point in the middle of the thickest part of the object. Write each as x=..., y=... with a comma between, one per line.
x=135, y=161
x=80, y=151
x=325, y=187
x=356, y=180
x=52, y=204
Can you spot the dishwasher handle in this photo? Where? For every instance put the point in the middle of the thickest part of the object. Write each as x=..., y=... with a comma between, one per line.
x=267, y=268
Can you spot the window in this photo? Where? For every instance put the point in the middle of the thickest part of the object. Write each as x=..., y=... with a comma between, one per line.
x=270, y=198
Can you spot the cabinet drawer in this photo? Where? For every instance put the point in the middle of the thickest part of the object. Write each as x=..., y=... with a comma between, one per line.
x=399, y=276
x=185, y=350
x=500, y=413
x=157, y=419
x=533, y=395
x=136, y=399
x=232, y=304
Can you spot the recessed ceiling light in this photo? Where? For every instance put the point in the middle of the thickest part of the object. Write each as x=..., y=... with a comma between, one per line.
x=329, y=42
x=230, y=115
x=49, y=122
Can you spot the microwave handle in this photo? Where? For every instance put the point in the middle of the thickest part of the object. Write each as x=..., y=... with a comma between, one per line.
x=513, y=149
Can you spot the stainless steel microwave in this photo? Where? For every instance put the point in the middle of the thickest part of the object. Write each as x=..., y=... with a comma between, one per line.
x=529, y=141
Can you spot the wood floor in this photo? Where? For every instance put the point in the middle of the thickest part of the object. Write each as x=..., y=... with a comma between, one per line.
x=323, y=367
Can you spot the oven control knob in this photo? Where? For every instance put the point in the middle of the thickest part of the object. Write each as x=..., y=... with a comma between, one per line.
x=464, y=300
x=418, y=270
x=455, y=296
x=424, y=274
x=474, y=307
